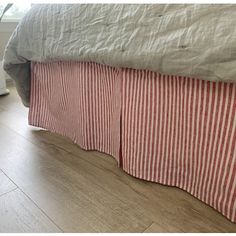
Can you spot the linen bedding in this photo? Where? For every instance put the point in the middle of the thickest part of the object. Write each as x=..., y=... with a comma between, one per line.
x=197, y=41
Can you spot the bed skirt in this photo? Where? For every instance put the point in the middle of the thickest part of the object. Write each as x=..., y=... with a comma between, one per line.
x=171, y=130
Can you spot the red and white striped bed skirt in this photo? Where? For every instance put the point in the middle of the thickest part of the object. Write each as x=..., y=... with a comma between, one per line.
x=167, y=129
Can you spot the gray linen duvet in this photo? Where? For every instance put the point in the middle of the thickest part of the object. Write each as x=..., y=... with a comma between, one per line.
x=190, y=40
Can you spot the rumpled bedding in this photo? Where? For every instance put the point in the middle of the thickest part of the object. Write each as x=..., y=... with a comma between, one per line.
x=197, y=41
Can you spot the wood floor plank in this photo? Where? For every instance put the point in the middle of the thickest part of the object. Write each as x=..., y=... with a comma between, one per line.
x=153, y=201
x=195, y=216
x=86, y=191
x=167, y=205
x=159, y=228
x=75, y=203
x=6, y=185
x=19, y=214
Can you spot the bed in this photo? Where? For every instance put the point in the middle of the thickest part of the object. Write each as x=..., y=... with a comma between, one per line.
x=151, y=85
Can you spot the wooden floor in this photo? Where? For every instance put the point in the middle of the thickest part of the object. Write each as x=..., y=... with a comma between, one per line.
x=48, y=184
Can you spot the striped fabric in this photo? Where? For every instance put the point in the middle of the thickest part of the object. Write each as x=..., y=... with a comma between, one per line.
x=181, y=132
x=85, y=108
x=167, y=129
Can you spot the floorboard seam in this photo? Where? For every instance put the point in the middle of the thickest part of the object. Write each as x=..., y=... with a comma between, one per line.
x=9, y=191
x=17, y=187
x=148, y=226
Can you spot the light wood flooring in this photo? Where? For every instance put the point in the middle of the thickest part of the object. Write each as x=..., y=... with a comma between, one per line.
x=49, y=184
